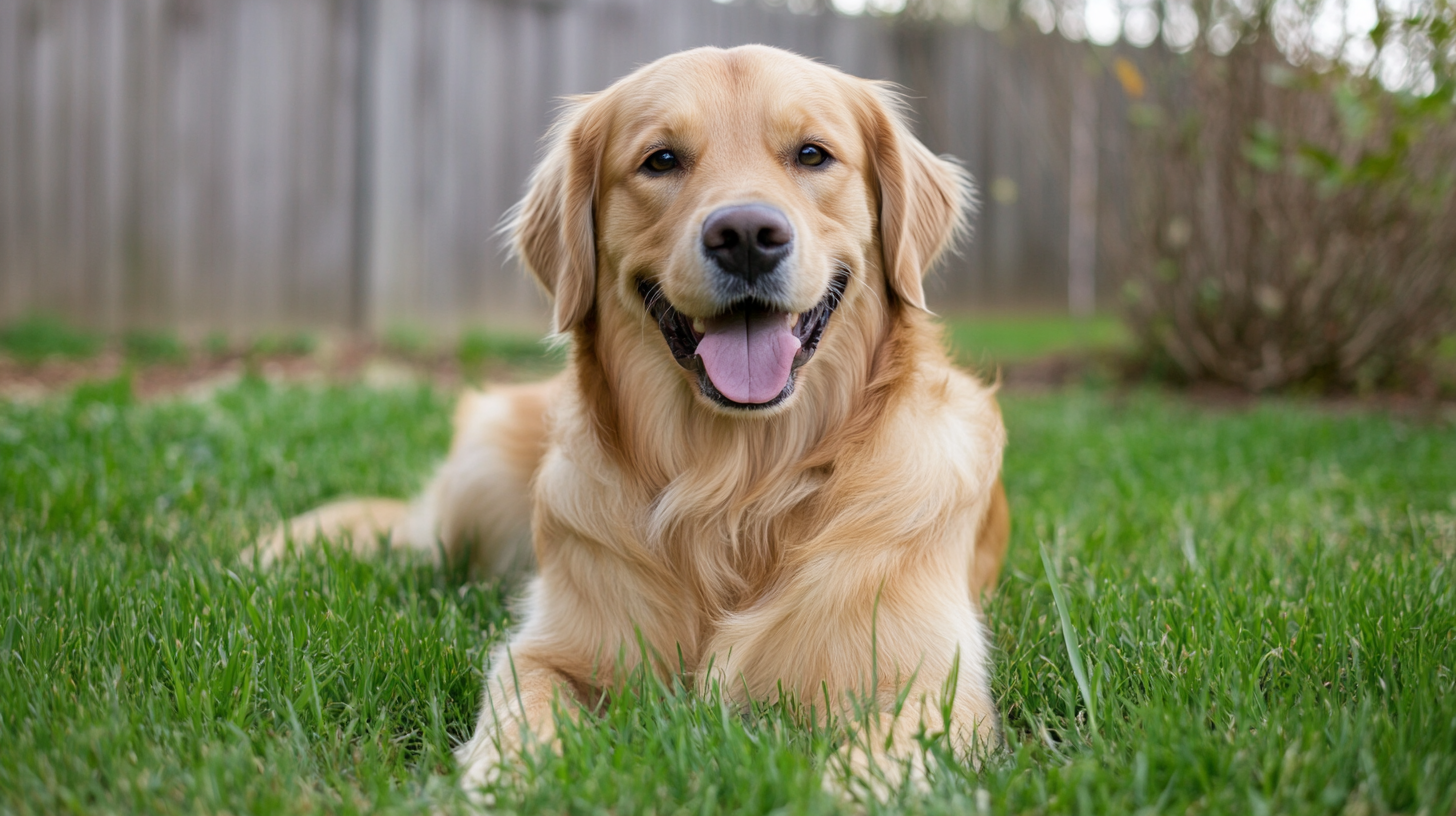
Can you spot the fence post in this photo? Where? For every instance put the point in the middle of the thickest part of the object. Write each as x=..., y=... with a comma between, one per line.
x=361, y=216
x=1082, y=220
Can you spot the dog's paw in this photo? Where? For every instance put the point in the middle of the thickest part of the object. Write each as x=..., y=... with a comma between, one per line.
x=269, y=549
x=363, y=526
x=481, y=770
x=856, y=776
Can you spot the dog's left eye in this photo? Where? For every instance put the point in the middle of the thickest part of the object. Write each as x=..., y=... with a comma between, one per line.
x=812, y=155
x=661, y=161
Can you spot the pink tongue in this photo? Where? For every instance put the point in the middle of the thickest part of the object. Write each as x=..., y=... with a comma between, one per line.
x=748, y=355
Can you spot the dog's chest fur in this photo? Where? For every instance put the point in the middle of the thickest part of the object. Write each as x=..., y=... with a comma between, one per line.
x=729, y=553
x=714, y=531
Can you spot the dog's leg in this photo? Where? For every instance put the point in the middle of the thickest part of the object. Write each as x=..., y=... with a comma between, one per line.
x=519, y=711
x=476, y=508
x=360, y=524
x=851, y=631
x=883, y=749
x=592, y=615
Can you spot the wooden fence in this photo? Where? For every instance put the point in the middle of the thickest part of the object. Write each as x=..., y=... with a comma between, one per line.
x=246, y=164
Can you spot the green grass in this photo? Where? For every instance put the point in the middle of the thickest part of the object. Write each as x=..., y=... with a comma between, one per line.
x=152, y=347
x=39, y=337
x=530, y=352
x=216, y=343
x=1262, y=601
x=407, y=341
x=288, y=344
x=984, y=339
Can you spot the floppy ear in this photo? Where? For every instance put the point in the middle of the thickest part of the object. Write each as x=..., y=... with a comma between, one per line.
x=924, y=199
x=552, y=227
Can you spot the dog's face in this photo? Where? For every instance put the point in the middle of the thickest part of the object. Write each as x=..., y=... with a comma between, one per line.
x=732, y=202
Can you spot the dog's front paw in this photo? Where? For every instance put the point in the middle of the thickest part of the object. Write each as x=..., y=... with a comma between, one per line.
x=480, y=769
x=495, y=749
x=858, y=774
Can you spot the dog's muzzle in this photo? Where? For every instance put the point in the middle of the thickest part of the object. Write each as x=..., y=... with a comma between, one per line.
x=746, y=356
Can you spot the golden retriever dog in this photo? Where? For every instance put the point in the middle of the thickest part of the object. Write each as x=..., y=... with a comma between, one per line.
x=759, y=466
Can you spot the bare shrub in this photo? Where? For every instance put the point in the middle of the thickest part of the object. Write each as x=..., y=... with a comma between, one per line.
x=1293, y=226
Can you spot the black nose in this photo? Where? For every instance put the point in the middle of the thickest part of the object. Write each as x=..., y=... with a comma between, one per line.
x=748, y=240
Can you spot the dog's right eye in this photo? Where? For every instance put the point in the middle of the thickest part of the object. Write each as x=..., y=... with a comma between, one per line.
x=660, y=162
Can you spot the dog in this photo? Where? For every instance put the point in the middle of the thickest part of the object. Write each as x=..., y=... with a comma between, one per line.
x=759, y=465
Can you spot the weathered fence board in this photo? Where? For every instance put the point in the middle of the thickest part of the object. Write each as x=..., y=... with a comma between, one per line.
x=256, y=163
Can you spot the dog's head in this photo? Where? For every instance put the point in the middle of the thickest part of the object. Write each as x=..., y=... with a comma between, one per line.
x=734, y=201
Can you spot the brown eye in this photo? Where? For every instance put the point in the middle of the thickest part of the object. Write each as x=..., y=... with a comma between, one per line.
x=812, y=155
x=661, y=161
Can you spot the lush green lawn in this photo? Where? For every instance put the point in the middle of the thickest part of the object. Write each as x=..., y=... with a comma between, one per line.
x=1263, y=606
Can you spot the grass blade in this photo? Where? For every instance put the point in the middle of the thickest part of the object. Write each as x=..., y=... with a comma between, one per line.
x=1069, y=634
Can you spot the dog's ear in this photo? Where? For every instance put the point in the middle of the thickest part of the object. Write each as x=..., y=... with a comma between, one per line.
x=924, y=199
x=552, y=227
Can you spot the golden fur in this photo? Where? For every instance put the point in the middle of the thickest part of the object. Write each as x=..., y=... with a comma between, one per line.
x=767, y=545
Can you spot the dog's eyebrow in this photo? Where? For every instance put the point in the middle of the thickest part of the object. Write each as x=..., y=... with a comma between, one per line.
x=814, y=138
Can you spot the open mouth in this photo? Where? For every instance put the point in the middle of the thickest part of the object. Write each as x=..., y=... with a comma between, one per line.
x=746, y=356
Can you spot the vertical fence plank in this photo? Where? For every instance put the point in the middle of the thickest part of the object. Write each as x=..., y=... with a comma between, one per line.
x=15, y=290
